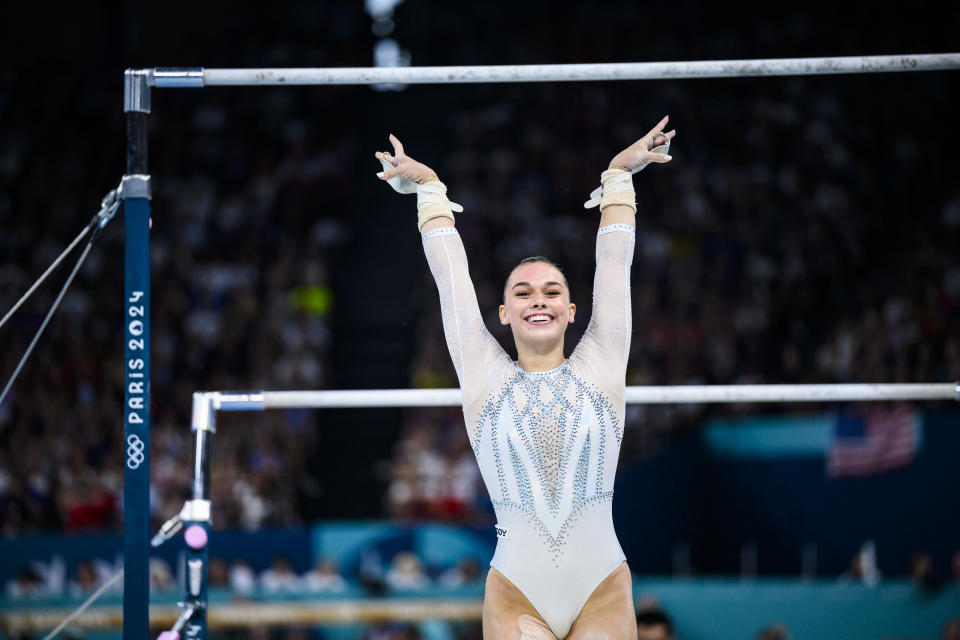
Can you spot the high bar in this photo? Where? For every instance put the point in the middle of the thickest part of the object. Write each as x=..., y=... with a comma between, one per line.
x=692, y=394
x=201, y=77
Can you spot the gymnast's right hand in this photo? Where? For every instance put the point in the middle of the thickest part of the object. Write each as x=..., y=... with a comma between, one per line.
x=402, y=172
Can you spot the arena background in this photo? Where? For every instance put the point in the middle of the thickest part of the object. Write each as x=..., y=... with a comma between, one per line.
x=805, y=231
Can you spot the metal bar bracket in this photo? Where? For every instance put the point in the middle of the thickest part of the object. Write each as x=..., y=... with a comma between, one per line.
x=204, y=412
x=195, y=511
x=135, y=186
x=136, y=90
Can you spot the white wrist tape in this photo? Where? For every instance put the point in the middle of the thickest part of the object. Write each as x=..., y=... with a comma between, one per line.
x=596, y=194
x=432, y=203
x=616, y=187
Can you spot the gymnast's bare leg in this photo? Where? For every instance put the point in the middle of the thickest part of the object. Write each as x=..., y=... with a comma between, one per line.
x=508, y=614
x=609, y=612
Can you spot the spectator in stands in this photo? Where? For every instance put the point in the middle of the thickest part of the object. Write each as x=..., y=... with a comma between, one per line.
x=923, y=574
x=84, y=581
x=467, y=572
x=218, y=574
x=243, y=580
x=654, y=624
x=324, y=578
x=259, y=633
x=280, y=577
x=777, y=631
x=407, y=573
x=27, y=584
x=90, y=505
x=434, y=474
x=161, y=577
x=461, y=478
x=402, y=491
x=393, y=631
x=950, y=629
x=863, y=567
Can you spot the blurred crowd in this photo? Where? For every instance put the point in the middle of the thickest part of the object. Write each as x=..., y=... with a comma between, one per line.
x=801, y=234
x=405, y=572
x=434, y=474
x=241, y=300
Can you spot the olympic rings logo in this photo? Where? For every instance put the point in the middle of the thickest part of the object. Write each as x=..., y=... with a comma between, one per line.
x=135, y=455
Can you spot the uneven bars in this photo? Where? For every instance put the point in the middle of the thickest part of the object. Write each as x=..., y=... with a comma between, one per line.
x=692, y=394
x=200, y=77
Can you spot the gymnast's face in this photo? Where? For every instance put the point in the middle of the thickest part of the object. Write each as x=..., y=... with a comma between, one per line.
x=537, y=304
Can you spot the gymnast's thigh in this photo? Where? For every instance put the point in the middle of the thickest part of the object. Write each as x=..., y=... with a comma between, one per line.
x=503, y=605
x=608, y=613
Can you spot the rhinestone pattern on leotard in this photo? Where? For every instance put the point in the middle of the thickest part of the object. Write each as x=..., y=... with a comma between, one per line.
x=545, y=431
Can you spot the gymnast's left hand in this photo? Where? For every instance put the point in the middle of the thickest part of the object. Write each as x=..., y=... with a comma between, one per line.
x=638, y=155
x=404, y=166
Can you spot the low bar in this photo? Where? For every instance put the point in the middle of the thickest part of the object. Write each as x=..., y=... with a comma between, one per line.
x=790, y=393
x=690, y=394
x=361, y=398
x=576, y=72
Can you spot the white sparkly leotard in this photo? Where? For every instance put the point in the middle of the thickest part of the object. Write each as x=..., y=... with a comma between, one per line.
x=547, y=443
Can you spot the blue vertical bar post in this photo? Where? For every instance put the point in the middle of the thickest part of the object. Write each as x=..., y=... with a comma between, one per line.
x=135, y=191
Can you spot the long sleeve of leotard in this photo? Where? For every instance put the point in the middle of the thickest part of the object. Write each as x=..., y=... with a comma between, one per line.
x=472, y=348
x=606, y=342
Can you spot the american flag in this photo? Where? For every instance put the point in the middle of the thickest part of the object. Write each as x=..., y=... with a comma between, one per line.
x=873, y=441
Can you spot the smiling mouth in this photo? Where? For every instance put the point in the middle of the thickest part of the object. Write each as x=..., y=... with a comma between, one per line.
x=539, y=319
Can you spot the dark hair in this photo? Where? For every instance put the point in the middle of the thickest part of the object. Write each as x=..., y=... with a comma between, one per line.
x=531, y=260
x=654, y=617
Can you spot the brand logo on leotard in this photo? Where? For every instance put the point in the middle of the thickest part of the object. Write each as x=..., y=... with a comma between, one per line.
x=501, y=531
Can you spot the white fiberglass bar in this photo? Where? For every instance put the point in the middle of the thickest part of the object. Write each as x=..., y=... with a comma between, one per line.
x=559, y=72
x=792, y=393
x=640, y=395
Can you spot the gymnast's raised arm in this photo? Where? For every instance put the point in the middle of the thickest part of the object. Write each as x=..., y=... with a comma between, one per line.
x=472, y=348
x=606, y=341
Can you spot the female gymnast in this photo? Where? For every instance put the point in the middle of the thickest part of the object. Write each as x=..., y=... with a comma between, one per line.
x=546, y=430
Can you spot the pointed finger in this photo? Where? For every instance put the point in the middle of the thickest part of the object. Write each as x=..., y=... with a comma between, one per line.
x=385, y=155
x=660, y=125
x=397, y=147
